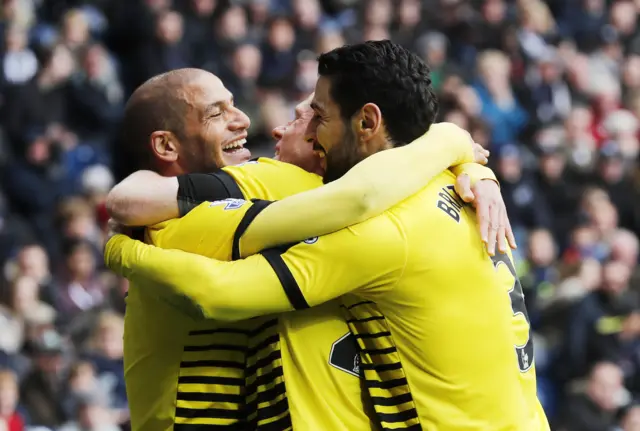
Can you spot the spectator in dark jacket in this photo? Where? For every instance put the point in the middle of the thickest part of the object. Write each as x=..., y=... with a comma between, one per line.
x=596, y=409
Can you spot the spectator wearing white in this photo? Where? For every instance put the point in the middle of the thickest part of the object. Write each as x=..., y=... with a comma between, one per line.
x=19, y=63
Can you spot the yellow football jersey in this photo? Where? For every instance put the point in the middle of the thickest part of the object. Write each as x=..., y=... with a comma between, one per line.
x=192, y=373
x=441, y=326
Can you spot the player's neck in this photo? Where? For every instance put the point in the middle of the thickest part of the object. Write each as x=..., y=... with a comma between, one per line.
x=170, y=169
x=375, y=145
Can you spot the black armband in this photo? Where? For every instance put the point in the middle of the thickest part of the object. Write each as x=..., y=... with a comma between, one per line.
x=193, y=189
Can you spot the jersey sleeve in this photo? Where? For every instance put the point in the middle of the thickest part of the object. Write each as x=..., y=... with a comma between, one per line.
x=368, y=258
x=369, y=188
x=207, y=230
x=365, y=258
x=203, y=288
x=263, y=178
x=476, y=172
x=193, y=189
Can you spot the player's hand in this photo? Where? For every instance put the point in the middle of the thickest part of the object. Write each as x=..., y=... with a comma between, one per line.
x=480, y=154
x=491, y=211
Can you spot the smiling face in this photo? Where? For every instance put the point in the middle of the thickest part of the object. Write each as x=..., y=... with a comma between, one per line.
x=332, y=134
x=217, y=130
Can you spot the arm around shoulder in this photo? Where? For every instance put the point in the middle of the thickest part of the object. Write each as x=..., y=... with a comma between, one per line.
x=369, y=188
x=143, y=198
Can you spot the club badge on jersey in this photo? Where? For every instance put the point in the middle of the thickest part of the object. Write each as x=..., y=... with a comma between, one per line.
x=344, y=355
x=229, y=204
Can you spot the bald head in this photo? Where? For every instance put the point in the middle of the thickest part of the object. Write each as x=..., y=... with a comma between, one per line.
x=183, y=121
x=161, y=103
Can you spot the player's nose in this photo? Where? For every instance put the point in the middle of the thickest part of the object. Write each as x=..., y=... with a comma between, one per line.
x=278, y=132
x=240, y=121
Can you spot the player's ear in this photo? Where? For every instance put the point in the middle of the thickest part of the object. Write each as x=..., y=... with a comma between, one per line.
x=368, y=122
x=164, y=145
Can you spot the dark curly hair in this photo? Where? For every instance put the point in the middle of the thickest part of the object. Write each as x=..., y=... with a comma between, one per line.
x=384, y=73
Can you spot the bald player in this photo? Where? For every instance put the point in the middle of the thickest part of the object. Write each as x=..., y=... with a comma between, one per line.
x=169, y=356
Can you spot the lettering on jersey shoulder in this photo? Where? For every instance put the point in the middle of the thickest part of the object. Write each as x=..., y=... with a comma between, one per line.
x=229, y=204
x=311, y=240
x=344, y=355
x=450, y=203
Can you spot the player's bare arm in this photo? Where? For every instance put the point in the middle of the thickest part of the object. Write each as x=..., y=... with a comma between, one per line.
x=146, y=198
x=368, y=189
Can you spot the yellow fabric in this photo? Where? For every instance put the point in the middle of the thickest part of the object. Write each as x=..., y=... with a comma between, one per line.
x=475, y=171
x=425, y=267
x=272, y=180
x=157, y=327
x=369, y=188
x=162, y=341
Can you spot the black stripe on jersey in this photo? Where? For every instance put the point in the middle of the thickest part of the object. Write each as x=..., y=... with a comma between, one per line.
x=247, y=219
x=358, y=304
x=272, y=410
x=221, y=331
x=386, y=384
x=382, y=367
x=211, y=363
x=209, y=347
x=263, y=345
x=266, y=325
x=379, y=351
x=372, y=335
x=282, y=424
x=368, y=319
x=268, y=395
x=182, y=412
x=416, y=427
x=210, y=380
x=210, y=397
x=207, y=427
x=398, y=417
x=393, y=401
x=261, y=363
x=289, y=283
x=264, y=379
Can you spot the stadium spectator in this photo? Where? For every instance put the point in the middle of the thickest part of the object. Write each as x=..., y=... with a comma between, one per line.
x=596, y=408
x=9, y=399
x=551, y=88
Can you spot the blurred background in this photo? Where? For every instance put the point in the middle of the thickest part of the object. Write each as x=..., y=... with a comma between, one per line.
x=551, y=87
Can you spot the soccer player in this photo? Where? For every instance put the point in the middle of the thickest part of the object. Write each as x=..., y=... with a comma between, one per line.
x=182, y=374
x=431, y=310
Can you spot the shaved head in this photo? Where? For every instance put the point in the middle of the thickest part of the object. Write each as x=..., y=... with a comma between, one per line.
x=161, y=103
x=183, y=121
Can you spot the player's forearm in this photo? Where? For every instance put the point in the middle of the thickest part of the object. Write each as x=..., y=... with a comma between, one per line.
x=203, y=287
x=368, y=189
x=476, y=172
x=144, y=198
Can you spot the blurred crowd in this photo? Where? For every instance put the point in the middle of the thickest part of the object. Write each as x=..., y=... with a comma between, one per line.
x=551, y=87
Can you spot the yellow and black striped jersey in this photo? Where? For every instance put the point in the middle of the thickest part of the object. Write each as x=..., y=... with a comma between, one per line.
x=441, y=326
x=234, y=374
